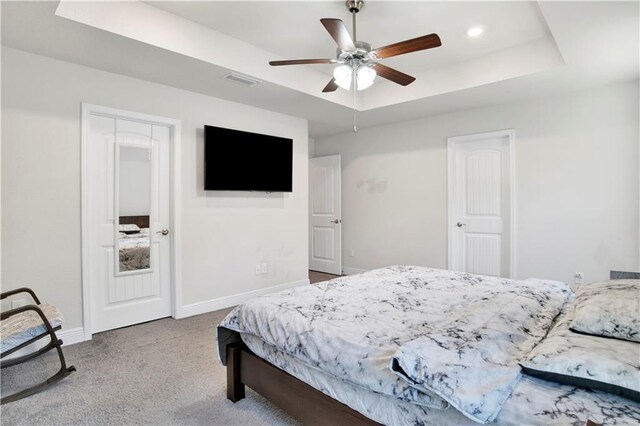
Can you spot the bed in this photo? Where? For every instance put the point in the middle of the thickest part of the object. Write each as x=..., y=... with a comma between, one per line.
x=411, y=345
x=134, y=243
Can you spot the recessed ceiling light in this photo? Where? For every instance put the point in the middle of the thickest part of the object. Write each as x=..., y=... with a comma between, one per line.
x=475, y=32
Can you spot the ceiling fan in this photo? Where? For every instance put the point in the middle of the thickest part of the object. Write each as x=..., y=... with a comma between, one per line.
x=358, y=61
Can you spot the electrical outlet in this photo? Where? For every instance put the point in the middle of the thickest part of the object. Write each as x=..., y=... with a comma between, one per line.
x=258, y=269
x=352, y=252
x=17, y=303
x=265, y=267
x=578, y=278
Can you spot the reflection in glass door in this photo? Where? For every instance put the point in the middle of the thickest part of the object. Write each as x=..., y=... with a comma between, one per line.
x=133, y=208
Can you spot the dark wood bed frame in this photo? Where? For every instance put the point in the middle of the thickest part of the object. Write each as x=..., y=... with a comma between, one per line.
x=141, y=221
x=290, y=394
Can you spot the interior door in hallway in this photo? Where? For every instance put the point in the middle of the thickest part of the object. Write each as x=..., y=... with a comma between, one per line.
x=128, y=220
x=325, y=215
x=480, y=203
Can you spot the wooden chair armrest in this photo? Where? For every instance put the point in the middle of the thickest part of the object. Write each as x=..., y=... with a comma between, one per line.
x=6, y=294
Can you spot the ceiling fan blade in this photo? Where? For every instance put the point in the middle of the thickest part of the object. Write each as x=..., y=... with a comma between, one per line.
x=393, y=75
x=339, y=32
x=415, y=44
x=301, y=62
x=330, y=87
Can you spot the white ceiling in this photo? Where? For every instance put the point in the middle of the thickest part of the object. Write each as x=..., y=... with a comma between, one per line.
x=293, y=30
x=529, y=50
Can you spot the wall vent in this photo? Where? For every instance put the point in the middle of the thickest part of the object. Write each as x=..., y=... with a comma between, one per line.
x=245, y=80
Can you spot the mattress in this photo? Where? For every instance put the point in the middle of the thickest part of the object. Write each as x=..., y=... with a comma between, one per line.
x=532, y=402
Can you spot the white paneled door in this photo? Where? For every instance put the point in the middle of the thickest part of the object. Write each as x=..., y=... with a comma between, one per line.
x=325, y=215
x=128, y=220
x=480, y=203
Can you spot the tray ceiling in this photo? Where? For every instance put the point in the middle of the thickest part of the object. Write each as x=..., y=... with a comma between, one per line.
x=529, y=49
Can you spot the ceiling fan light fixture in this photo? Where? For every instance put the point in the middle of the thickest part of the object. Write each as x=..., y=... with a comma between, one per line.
x=365, y=76
x=342, y=75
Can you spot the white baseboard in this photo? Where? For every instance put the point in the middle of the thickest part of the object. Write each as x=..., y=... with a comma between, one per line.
x=72, y=336
x=352, y=271
x=236, y=299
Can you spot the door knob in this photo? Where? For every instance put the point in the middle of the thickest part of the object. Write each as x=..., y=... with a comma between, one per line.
x=460, y=224
x=336, y=221
x=165, y=231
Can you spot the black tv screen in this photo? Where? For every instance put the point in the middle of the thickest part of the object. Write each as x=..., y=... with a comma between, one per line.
x=242, y=161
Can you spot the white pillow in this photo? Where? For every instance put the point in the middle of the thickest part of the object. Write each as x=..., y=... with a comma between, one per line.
x=609, y=309
x=591, y=362
x=128, y=228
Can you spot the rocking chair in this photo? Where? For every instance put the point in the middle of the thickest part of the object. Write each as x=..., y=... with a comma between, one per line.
x=24, y=325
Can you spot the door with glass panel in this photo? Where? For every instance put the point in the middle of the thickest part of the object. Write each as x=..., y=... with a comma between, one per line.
x=129, y=221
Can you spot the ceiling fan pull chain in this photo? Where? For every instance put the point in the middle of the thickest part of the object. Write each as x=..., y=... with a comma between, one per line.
x=355, y=91
x=355, y=127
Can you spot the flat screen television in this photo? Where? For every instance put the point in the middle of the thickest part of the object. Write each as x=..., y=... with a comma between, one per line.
x=242, y=161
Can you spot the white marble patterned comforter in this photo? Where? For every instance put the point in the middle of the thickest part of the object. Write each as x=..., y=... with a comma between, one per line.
x=351, y=327
x=471, y=361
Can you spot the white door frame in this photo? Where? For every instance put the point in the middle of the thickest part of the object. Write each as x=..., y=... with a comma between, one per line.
x=87, y=110
x=451, y=220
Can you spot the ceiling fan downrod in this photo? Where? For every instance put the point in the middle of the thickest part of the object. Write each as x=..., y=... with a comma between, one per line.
x=354, y=7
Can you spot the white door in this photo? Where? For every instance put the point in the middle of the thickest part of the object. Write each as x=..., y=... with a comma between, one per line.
x=128, y=218
x=480, y=203
x=325, y=215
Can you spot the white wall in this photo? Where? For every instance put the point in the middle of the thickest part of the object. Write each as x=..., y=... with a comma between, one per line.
x=576, y=159
x=223, y=234
x=312, y=147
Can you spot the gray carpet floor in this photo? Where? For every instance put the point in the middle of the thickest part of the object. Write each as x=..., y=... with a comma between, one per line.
x=162, y=372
